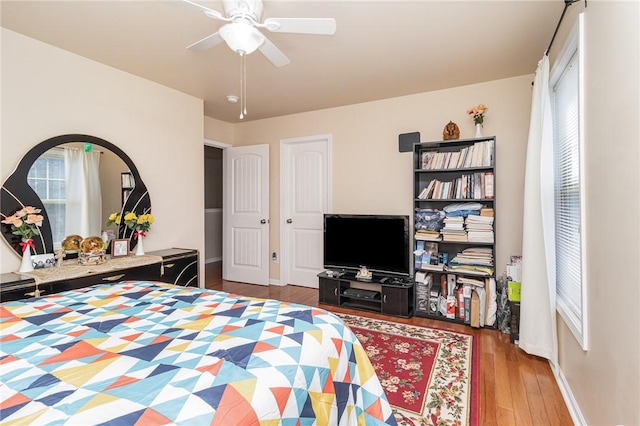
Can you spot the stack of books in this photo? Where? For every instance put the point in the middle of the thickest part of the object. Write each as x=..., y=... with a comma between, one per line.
x=427, y=235
x=479, y=228
x=453, y=229
x=474, y=261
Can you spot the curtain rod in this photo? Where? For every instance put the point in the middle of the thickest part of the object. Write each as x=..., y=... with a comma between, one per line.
x=567, y=3
x=55, y=148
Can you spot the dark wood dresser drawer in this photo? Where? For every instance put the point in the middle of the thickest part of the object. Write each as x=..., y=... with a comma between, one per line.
x=149, y=272
x=179, y=266
x=15, y=287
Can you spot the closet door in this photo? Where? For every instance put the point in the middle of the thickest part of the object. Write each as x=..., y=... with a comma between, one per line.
x=246, y=214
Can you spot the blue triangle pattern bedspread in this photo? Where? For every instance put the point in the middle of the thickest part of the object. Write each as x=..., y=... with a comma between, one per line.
x=148, y=353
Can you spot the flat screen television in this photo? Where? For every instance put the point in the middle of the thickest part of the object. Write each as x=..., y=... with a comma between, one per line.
x=379, y=242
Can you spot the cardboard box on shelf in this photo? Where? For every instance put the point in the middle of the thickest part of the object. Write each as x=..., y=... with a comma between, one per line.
x=475, y=310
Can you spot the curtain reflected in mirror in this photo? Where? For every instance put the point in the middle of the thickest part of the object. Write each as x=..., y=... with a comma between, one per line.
x=78, y=189
x=84, y=198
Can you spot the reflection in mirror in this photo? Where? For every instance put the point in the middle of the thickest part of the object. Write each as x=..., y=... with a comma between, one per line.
x=90, y=196
x=46, y=177
x=41, y=180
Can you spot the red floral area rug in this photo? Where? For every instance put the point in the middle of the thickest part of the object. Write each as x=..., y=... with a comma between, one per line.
x=430, y=376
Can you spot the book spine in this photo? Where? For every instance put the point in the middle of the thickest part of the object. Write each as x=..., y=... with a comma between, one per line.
x=488, y=185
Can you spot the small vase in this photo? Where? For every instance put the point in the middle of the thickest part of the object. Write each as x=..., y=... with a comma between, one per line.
x=26, y=265
x=139, y=246
x=478, y=130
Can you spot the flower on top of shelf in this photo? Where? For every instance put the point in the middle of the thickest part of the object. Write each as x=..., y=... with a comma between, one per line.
x=26, y=222
x=478, y=113
x=140, y=224
x=114, y=218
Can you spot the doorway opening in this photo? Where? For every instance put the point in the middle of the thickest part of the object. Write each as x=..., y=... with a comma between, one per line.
x=213, y=212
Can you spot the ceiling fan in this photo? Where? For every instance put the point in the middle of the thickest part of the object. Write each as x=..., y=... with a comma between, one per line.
x=242, y=35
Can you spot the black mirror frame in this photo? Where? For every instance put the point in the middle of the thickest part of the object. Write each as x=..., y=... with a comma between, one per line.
x=17, y=193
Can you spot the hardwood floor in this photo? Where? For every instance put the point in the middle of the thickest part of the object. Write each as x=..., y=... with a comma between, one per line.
x=515, y=388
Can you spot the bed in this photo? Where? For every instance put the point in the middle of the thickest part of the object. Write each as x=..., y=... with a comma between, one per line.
x=147, y=353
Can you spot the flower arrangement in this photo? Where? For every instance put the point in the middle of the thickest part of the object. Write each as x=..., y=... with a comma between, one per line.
x=478, y=113
x=26, y=223
x=140, y=224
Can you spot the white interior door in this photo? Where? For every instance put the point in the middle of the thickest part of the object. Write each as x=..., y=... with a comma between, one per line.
x=305, y=187
x=245, y=216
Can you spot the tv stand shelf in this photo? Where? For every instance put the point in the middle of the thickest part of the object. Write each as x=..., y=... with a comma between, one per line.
x=385, y=295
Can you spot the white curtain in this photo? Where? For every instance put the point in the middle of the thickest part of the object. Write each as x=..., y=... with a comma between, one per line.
x=84, y=198
x=538, y=293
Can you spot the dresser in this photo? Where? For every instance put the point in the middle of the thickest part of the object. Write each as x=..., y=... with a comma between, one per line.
x=174, y=266
x=179, y=266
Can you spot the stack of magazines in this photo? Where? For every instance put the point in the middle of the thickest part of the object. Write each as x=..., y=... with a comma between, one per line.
x=474, y=261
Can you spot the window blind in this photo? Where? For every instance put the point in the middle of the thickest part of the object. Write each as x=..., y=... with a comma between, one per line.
x=568, y=194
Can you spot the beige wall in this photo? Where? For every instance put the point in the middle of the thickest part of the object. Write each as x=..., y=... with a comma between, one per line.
x=218, y=131
x=47, y=92
x=605, y=380
x=370, y=175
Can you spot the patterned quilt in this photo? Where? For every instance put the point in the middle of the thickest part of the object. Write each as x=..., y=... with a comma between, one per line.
x=146, y=353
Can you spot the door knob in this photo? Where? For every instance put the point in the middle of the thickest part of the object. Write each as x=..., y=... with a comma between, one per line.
x=289, y=221
x=263, y=221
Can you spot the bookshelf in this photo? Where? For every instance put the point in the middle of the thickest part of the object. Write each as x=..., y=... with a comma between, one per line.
x=127, y=184
x=454, y=229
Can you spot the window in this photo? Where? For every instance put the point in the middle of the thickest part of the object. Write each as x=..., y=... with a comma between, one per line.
x=47, y=178
x=566, y=92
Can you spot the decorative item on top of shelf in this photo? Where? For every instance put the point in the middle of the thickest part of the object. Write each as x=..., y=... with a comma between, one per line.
x=41, y=261
x=119, y=248
x=25, y=223
x=92, y=251
x=140, y=224
x=364, y=274
x=71, y=245
x=60, y=253
x=478, y=117
x=451, y=131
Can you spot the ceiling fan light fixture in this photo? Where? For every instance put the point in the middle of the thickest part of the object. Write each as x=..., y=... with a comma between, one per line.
x=241, y=37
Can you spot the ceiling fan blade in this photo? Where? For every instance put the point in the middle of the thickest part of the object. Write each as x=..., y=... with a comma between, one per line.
x=301, y=25
x=209, y=12
x=206, y=43
x=273, y=54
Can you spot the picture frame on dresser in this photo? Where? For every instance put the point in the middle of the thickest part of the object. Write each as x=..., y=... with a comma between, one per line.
x=119, y=248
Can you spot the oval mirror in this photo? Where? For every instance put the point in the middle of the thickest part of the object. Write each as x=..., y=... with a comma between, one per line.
x=42, y=171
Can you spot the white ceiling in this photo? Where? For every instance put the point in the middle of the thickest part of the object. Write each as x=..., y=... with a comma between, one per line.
x=381, y=49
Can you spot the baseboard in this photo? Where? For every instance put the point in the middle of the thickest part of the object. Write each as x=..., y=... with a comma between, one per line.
x=275, y=282
x=567, y=395
x=213, y=259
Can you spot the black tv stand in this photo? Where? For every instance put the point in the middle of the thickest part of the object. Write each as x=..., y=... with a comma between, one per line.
x=387, y=295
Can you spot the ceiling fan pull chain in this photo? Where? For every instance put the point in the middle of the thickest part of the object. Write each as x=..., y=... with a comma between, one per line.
x=242, y=82
x=244, y=85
